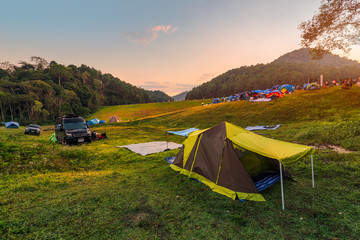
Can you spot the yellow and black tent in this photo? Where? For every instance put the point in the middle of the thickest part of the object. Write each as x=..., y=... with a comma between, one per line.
x=227, y=157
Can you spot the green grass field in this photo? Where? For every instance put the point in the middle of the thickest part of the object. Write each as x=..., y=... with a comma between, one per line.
x=98, y=191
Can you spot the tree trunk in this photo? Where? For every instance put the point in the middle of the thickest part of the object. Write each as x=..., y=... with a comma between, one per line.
x=2, y=113
x=20, y=111
x=59, y=78
x=11, y=113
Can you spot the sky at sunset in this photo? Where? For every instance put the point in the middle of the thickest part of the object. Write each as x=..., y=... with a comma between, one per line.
x=157, y=45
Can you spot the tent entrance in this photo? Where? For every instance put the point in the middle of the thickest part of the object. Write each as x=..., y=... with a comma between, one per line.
x=263, y=171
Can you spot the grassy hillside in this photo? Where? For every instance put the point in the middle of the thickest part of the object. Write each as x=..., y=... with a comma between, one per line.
x=140, y=111
x=98, y=191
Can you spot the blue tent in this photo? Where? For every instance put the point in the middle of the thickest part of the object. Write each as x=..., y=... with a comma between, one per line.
x=102, y=121
x=12, y=125
x=216, y=100
x=234, y=98
x=93, y=121
x=305, y=85
x=267, y=91
x=286, y=88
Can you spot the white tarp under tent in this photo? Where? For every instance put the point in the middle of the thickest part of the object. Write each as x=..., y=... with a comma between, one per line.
x=151, y=147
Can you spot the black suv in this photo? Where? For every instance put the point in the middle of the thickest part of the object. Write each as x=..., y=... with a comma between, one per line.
x=33, y=129
x=71, y=129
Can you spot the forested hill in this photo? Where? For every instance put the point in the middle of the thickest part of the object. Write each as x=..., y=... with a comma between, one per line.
x=291, y=68
x=159, y=96
x=302, y=55
x=39, y=91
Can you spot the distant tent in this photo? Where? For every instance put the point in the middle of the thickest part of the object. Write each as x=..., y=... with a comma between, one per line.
x=312, y=86
x=12, y=125
x=53, y=138
x=267, y=91
x=244, y=95
x=286, y=88
x=229, y=159
x=216, y=100
x=275, y=87
x=102, y=121
x=274, y=94
x=114, y=119
x=231, y=98
x=93, y=121
x=234, y=98
x=262, y=95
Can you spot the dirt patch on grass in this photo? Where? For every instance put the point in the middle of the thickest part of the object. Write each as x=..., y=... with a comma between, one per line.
x=139, y=217
x=334, y=148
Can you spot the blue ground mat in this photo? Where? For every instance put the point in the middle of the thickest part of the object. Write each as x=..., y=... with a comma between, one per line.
x=265, y=180
x=185, y=132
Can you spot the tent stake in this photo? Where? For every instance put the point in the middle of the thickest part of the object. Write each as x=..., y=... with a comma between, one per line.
x=282, y=187
x=312, y=171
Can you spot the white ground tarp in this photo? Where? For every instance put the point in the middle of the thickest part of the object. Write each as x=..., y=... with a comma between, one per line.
x=151, y=147
x=272, y=127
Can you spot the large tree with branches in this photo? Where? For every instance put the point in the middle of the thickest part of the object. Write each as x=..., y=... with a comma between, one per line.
x=335, y=26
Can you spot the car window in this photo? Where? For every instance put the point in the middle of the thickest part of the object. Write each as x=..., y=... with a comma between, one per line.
x=74, y=125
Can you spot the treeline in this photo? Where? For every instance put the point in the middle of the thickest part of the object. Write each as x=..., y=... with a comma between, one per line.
x=39, y=92
x=263, y=76
x=159, y=96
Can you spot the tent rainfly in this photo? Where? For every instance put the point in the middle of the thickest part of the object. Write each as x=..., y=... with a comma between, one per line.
x=228, y=158
x=93, y=121
x=12, y=125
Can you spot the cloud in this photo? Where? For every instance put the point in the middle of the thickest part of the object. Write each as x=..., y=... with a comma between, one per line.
x=206, y=77
x=150, y=35
x=167, y=87
x=173, y=89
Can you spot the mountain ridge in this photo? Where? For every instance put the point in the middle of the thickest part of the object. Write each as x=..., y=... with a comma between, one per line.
x=303, y=55
x=295, y=68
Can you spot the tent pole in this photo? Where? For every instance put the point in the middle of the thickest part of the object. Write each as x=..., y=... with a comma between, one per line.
x=167, y=145
x=312, y=171
x=282, y=187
